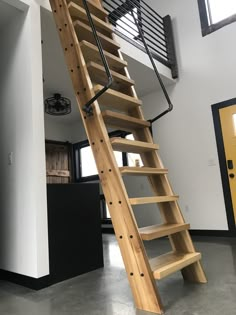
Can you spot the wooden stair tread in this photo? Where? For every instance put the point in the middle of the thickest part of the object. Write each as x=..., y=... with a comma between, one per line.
x=77, y=12
x=142, y=171
x=93, y=7
x=84, y=32
x=98, y=75
x=91, y=53
x=156, y=199
x=169, y=263
x=124, y=122
x=132, y=146
x=117, y=100
x=149, y=233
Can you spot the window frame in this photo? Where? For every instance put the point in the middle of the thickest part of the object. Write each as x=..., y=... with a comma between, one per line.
x=77, y=157
x=210, y=28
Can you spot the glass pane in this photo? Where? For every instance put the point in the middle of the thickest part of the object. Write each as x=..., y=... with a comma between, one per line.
x=88, y=166
x=234, y=123
x=108, y=216
x=220, y=10
x=119, y=159
x=133, y=158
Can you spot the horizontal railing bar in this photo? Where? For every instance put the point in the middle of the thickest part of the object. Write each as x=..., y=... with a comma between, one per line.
x=159, y=52
x=117, y=10
x=150, y=8
x=144, y=26
x=135, y=30
x=128, y=12
x=139, y=5
x=136, y=44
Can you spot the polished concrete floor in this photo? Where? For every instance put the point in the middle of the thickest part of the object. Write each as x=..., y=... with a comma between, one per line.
x=106, y=291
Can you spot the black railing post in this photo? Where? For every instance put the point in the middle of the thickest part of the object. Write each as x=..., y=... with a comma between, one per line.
x=170, y=46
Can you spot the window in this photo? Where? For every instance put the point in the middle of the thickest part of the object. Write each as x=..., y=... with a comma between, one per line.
x=85, y=166
x=133, y=159
x=215, y=14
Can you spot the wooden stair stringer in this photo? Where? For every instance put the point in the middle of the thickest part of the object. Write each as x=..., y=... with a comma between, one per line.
x=170, y=212
x=137, y=266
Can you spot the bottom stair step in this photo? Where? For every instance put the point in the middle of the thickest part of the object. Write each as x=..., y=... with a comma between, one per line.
x=169, y=263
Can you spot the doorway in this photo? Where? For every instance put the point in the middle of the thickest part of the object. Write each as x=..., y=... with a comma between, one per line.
x=224, y=117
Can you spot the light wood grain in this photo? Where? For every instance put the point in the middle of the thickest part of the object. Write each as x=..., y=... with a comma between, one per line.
x=117, y=100
x=149, y=233
x=132, y=249
x=58, y=173
x=93, y=8
x=123, y=122
x=84, y=32
x=169, y=263
x=138, y=269
x=91, y=53
x=77, y=12
x=98, y=75
x=142, y=171
x=147, y=200
x=124, y=145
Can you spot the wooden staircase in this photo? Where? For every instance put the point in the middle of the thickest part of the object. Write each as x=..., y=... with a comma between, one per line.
x=121, y=109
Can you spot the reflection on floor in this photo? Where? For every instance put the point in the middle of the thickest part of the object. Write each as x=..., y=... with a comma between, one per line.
x=106, y=291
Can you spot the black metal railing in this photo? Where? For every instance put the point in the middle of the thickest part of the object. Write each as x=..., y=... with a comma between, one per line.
x=148, y=51
x=156, y=30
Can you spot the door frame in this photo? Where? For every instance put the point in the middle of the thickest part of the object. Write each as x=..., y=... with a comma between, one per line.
x=222, y=161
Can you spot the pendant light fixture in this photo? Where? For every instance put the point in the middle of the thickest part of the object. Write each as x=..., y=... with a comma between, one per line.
x=57, y=105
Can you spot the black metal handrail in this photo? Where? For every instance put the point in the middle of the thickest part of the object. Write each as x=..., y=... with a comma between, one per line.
x=170, y=105
x=156, y=29
x=88, y=106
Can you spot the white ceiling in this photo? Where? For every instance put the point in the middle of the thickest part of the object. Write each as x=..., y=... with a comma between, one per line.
x=56, y=76
x=7, y=13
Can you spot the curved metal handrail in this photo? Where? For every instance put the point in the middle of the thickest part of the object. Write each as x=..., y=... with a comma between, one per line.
x=170, y=105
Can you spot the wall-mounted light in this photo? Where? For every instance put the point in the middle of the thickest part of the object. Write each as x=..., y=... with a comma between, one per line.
x=57, y=105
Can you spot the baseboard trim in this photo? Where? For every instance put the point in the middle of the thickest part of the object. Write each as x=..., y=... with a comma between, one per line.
x=43, y=282
x=26, y=281
x=108, y=230
x=215, y=233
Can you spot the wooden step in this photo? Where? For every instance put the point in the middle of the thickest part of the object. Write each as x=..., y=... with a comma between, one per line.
x=84, y=32
x=149, y=233
x=124, y=145
x=116, y=100
x=98, y=75
x=142, y=171
x=169, y=263
x=77, y=12
x=156, y=199
x=91, y=53
x=123, y=122
x=98, y=11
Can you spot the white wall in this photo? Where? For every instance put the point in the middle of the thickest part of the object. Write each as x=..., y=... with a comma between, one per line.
x=56, y=130
x=186, y=136
x=23, y=209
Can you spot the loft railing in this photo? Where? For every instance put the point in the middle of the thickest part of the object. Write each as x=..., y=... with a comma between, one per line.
x=156, y=30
